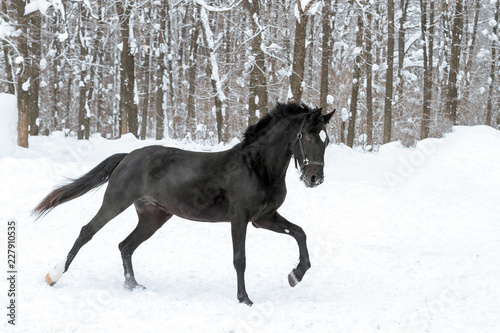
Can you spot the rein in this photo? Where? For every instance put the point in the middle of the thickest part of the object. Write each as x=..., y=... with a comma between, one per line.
x=305, y=160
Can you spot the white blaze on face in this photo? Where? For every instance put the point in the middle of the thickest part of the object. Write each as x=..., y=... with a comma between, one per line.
x=322, y=135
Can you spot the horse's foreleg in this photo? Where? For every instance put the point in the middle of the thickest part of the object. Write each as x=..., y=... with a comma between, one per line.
x=278, y=223
x=238, y=233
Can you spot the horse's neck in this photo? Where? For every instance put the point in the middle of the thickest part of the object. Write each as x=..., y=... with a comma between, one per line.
x=274, y=158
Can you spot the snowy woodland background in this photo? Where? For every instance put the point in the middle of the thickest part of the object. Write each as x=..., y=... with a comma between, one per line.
x=401, y=240
x=203, y=70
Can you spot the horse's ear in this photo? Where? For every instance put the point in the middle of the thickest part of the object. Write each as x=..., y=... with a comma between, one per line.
x=316, y=114
x=327, y=117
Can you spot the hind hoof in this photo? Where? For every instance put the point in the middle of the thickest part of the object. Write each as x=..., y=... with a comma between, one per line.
x=49, y=280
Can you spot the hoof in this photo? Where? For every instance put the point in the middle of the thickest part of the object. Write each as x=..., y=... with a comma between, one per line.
x=293, y=279
x=55, y=274
x=133, y=286
x=245, y=300
x=49, y=280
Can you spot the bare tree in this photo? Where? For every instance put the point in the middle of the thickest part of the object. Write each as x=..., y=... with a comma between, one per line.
x=35, y=52
x=193, y=57
x=213, y=69
x=427, y=29
x=369, y=77
x=452, y=99
x=258, y=98
x=6, y=55
x=356, y=77
x=23, y=78
x=299, y=49
x=470, y=51
x=128, y=107
x=493, y=65
x=401, y=45
x=389, y=77
x=160, y=74
x=85, y=61
x=328, y=22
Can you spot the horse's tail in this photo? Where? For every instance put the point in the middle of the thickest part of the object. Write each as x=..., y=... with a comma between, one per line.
x=94, y=178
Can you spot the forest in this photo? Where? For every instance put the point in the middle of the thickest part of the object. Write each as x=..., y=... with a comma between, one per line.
x=203, y=70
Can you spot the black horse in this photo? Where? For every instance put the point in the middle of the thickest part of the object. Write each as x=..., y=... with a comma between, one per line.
x=243, y=184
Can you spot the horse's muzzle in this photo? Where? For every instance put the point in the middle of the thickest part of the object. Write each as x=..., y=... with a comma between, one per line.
x=312, y=180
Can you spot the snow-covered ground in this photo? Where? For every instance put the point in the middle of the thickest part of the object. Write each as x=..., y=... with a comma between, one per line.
x=403, y=240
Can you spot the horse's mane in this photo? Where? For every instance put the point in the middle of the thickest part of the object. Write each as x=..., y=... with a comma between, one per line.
x=279, y=112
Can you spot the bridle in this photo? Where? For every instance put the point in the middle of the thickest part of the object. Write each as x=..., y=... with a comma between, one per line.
x=305, y=160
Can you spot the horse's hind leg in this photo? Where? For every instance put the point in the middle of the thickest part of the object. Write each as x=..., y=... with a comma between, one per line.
x=109, y=210
x=151, y=218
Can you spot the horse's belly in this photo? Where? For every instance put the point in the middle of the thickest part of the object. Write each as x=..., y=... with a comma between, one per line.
x=197, y=207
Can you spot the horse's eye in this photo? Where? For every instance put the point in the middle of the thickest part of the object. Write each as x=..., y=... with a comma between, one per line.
x=310, y=138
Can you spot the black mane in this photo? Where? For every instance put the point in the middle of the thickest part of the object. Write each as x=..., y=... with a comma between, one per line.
x=281, y=111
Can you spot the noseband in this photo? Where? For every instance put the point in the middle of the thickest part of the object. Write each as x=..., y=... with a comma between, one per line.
x=305, y=160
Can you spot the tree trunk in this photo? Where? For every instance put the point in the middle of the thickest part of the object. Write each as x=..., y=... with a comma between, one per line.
x=67, y=109
x=299, y=51
x=328, y=20
x=23, y=77
x=193, y=57
x=452, y=100
x=57, y=116
x=147, y=84
x=35, y=50
x=170, y=110
x=401, y=47
x=258, y=98
x=351, y=129
x=389, y=77
x=128, y=108
x=99, y=70
x=83, y=108
x=160, y=76
x=427, y=46
x=470, y=52
x=493, y=64
x=369, y=78
x=213, y=73
x=11, y=89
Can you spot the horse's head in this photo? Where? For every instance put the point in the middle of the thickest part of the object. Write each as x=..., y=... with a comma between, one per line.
x=308, y=147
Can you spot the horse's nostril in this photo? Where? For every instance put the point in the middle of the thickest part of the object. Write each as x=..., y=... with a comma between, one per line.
x=313, y=179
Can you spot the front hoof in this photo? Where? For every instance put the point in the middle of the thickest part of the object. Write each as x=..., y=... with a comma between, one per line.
x=245, y=300
x=132, y=286
x=293, y=278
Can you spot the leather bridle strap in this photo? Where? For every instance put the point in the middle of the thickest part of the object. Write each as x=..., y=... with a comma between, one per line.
x=305, y=160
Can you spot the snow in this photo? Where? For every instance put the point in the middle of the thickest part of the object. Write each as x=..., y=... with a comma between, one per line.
x=6, y=29
x=329, y=99
x=43, y=5
x=62, y=37
x=37, y=5
x=8, y=123
x=26, y=85
x=402, y=240
x=345, y=114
